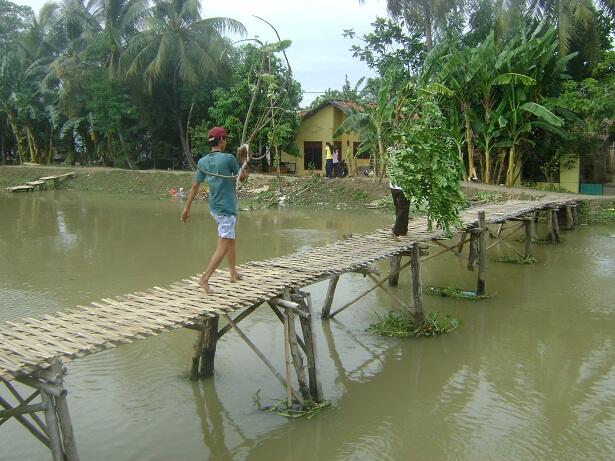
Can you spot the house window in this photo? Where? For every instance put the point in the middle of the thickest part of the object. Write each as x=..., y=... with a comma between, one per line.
x=312, y=155
x=355, y=149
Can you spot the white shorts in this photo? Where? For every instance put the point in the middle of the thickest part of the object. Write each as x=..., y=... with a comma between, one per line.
x=226, y=225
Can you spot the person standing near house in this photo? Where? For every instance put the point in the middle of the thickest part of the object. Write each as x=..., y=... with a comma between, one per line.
x=328, y=160
x=336, y=162
x=219, y=169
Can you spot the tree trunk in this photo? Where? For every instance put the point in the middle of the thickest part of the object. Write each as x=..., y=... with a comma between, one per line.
x=487, y=166
x=427, y=27
x=470, y=145
x=18, y=140
x=2, y=152
x=180, y=126
x=511, y=166
x=125, y=151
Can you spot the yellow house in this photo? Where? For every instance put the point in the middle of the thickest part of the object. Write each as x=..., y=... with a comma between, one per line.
x=317, y=128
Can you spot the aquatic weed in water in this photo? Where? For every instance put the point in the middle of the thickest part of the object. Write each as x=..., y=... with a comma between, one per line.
x=404, y=324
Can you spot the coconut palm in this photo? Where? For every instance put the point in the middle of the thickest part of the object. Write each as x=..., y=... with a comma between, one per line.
x=568, y=13
x=427, y=15
x=177, y=47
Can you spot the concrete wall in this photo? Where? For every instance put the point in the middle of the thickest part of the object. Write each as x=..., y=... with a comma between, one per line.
x=320, y=127
x=569, y=177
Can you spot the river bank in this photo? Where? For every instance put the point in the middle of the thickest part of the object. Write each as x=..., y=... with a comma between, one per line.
x=264, y=191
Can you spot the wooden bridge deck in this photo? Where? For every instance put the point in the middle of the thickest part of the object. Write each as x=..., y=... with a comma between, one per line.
x=29, y=345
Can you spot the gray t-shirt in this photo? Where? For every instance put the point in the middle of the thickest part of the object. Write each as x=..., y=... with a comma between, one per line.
x=222, y=199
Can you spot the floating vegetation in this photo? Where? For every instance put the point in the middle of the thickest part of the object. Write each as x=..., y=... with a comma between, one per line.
x=452, y=292
x=516, y=259
x=404, y=324
x=308, y=410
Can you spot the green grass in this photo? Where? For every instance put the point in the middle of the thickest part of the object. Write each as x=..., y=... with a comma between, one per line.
x=596, y=212
x=453, y=292
x=404, y=324
x=516, y=259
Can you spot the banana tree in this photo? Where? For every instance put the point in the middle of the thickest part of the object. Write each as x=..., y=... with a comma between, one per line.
x=518, y=117
x=374, y=124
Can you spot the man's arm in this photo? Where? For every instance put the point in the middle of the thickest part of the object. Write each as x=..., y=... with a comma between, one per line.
x=186, y=211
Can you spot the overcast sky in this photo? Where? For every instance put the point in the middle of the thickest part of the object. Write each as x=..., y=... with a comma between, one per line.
x=319, y=54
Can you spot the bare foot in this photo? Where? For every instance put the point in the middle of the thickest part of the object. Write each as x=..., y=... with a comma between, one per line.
x=205, y=286
x=236, y=276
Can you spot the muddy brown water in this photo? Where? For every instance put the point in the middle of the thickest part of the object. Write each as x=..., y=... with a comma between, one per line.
x=529, y=375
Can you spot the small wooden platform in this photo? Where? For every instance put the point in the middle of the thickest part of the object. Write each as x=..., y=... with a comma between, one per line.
x=24, y=188
x=42, y=183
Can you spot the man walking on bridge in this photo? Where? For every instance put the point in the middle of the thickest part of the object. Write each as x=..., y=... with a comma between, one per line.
x=220, y=170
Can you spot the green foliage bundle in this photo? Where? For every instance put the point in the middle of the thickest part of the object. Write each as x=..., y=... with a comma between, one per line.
x=424, y=163
x=517, y=259
x=453, y=292
x=404, y=324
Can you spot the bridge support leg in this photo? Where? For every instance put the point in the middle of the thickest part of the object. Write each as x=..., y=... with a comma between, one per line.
x=204, y=354
x=529, y=235
x=56, y=432
x=552, y=225
x=307, y=327
x=326, y=308
x=482, y=254
x=395, y=263
x=569, y=218
x=417, y=288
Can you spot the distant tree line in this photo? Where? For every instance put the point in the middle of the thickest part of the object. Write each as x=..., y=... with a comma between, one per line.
x=133, y=83
x=518, y=83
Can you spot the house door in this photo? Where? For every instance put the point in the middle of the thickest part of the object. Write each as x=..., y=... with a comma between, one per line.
x=338, y=146
x=312, y=155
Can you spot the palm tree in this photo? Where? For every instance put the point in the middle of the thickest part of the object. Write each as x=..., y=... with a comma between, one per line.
x=121, y=20
x=428, y=15
x=177, y=47
x=566, y=14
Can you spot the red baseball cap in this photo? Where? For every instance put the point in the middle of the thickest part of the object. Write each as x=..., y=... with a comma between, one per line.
x=216, y=133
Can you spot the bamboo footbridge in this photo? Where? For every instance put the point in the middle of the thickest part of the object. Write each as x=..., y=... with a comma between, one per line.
x=32, y=350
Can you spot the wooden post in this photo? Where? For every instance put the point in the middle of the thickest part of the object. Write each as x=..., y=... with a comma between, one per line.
x=569, y=218
x=204, y=354
x=527, y=227
x=287, y=362
x=482, y=254
x=555, y=222
x=309, y=339
x=395, y=263
x=210, y=340
x=417, y=289
x=69, y=442
x=462, y=241
x=296, y=356
x=326, y=308
x=53, y=429
x=197, y=351
x=550, y=226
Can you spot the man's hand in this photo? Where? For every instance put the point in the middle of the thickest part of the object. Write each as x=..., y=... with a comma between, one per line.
x=185, y=215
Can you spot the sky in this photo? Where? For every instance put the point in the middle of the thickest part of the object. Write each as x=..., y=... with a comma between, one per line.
x=319, y=55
